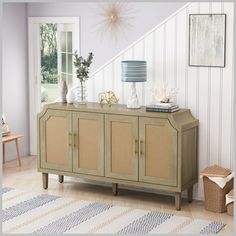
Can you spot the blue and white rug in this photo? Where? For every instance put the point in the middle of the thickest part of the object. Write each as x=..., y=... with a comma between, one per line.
x=36, y=213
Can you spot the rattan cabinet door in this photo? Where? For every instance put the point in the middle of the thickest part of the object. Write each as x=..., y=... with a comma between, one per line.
x=121, y=149
x=55, y=140
x=88, y=143
x=158, y=152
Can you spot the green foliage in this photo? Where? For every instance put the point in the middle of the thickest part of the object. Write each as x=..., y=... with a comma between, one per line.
x=49, y=61
x=82, y=66
x=49, y=76
x=48, y=53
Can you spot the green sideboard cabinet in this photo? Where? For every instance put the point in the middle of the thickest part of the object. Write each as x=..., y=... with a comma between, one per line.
x=118, y=145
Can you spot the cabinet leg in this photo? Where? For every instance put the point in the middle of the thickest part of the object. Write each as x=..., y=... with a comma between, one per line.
x=18, y=152
x=178, y=201
x=114, y=189
x=60, y=178
x=4, y=153
x=45, y=180
x=190, y=194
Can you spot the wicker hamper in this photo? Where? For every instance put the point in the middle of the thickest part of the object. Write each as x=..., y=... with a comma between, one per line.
x=230, y=209
x=230, y=206
x=214, y=195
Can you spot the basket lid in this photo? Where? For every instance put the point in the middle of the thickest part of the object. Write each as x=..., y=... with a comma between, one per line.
x=215, y=171
x=231, y=194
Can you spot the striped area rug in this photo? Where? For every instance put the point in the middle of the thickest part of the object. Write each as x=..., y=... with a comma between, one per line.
x=27, y=212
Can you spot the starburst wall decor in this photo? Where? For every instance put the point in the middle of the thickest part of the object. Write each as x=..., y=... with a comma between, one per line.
x=113, y=19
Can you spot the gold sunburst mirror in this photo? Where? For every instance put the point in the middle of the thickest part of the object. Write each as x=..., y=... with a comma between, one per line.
x=113, y=19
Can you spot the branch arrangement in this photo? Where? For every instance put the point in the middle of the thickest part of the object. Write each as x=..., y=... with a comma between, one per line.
x=82, y=66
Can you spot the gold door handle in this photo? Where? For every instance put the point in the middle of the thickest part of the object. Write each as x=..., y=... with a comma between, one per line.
x=141, y=147
x=135, y=147
x=74, y=140
x=69, y=139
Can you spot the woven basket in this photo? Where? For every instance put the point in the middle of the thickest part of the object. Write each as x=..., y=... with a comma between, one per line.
x=230, y=209
x=215, y=196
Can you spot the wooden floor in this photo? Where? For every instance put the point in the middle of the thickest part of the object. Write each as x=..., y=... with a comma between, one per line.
x=27, y=178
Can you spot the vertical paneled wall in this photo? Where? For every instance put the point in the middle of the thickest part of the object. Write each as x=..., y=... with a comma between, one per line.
x=207, y=91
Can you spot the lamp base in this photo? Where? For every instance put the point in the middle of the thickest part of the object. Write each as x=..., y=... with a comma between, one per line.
x=133, y=98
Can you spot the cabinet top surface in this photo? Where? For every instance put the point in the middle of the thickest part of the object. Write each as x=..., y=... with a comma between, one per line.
x=180, y=117
x=115, y=108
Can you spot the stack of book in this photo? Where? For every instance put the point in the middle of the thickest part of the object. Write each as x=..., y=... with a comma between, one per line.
x=163, y=107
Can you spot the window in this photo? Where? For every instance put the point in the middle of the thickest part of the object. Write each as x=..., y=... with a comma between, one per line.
x=66, y=57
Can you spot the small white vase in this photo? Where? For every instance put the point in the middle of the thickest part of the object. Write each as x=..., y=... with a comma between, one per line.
x=70, y=96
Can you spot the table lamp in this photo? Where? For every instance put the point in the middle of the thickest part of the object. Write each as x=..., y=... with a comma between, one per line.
x=134, y=71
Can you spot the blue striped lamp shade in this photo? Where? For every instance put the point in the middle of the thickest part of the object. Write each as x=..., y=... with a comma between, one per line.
x=134, y=71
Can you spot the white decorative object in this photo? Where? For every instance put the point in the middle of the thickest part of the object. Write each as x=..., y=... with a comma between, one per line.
x=70, y=96
x=164, y=94
x=133, y=98
x=5, y=127
x=63, y=91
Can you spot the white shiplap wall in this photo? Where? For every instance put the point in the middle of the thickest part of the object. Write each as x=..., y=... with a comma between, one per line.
x=208, y=92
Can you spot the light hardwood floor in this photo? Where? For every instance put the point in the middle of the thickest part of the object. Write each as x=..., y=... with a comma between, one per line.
x=27, y=178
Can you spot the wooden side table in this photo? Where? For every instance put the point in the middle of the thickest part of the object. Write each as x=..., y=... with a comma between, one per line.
x=10, y=138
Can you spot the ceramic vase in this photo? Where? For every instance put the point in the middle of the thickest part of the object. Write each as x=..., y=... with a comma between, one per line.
x=63, y=91
x=70, y=96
